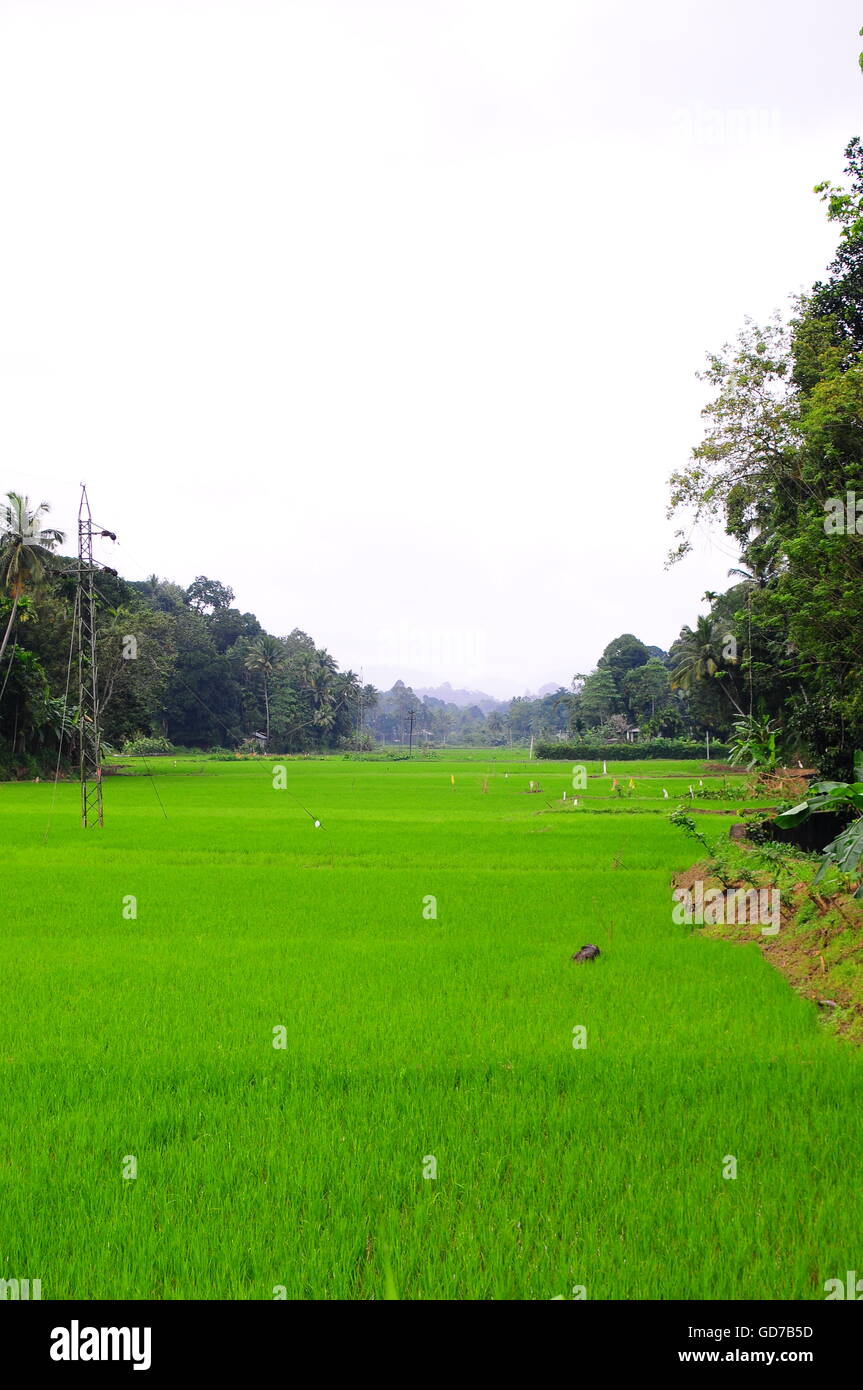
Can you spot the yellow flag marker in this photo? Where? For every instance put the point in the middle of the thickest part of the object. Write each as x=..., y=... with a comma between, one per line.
x=452, y=779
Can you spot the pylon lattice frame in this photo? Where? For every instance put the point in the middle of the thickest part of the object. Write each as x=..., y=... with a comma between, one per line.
x=89, y=736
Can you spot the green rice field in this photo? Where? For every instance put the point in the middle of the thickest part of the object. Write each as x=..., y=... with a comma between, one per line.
x=243, y=1056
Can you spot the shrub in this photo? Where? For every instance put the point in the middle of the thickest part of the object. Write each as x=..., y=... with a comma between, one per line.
x=349, y=743
x=148, y=745
x=668, y=748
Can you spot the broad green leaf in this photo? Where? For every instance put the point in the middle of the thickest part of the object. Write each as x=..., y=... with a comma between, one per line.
x=795, y=816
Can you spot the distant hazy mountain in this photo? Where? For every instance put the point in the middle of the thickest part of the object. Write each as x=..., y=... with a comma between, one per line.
x=486, y=702
x=544, y=690
x=461, y=698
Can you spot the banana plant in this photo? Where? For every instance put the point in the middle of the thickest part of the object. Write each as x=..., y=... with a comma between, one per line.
x=755, y=743
x=845, y=852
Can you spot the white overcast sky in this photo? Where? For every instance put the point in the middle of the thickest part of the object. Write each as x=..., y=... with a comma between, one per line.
x=387, y=314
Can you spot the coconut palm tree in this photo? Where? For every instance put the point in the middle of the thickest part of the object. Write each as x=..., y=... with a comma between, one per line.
x=697, y=656
x=763, y=567
x=318, y=679
x=328, y=689
x=25, y=547
x=265, y=657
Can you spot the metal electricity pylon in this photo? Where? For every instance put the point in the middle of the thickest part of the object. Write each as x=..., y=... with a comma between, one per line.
x=89, y=735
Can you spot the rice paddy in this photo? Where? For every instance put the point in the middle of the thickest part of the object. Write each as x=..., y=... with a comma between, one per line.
x=245, y=1057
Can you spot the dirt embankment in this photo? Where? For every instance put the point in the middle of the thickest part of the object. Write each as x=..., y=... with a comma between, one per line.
x=818, y=948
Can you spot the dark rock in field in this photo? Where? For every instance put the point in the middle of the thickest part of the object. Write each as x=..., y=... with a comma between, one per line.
x=587, y=953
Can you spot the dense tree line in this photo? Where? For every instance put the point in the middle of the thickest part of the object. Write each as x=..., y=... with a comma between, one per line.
x=177, y=667
x=183, y=667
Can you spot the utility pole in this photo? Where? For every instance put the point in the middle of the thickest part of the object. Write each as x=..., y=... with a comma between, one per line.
x=411, y=736
x=89, y=735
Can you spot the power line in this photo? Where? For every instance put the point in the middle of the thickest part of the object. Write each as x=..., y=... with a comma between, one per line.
x=72, y=633
x=155, y=788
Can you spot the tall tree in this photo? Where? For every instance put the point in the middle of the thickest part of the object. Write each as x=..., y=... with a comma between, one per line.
x=205, y=593
x=265, y=657
x=623, y=654
x=599, y=696
x=646, y=688
x=25, y=548
x=698, y=656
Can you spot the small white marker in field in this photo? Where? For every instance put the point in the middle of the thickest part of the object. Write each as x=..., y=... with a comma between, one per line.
x=665, y=793
x=604, y=770
x=575, y=801
x=564, y=796
x=317, y=825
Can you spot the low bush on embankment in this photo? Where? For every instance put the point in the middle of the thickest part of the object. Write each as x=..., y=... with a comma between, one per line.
x=628, y=752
